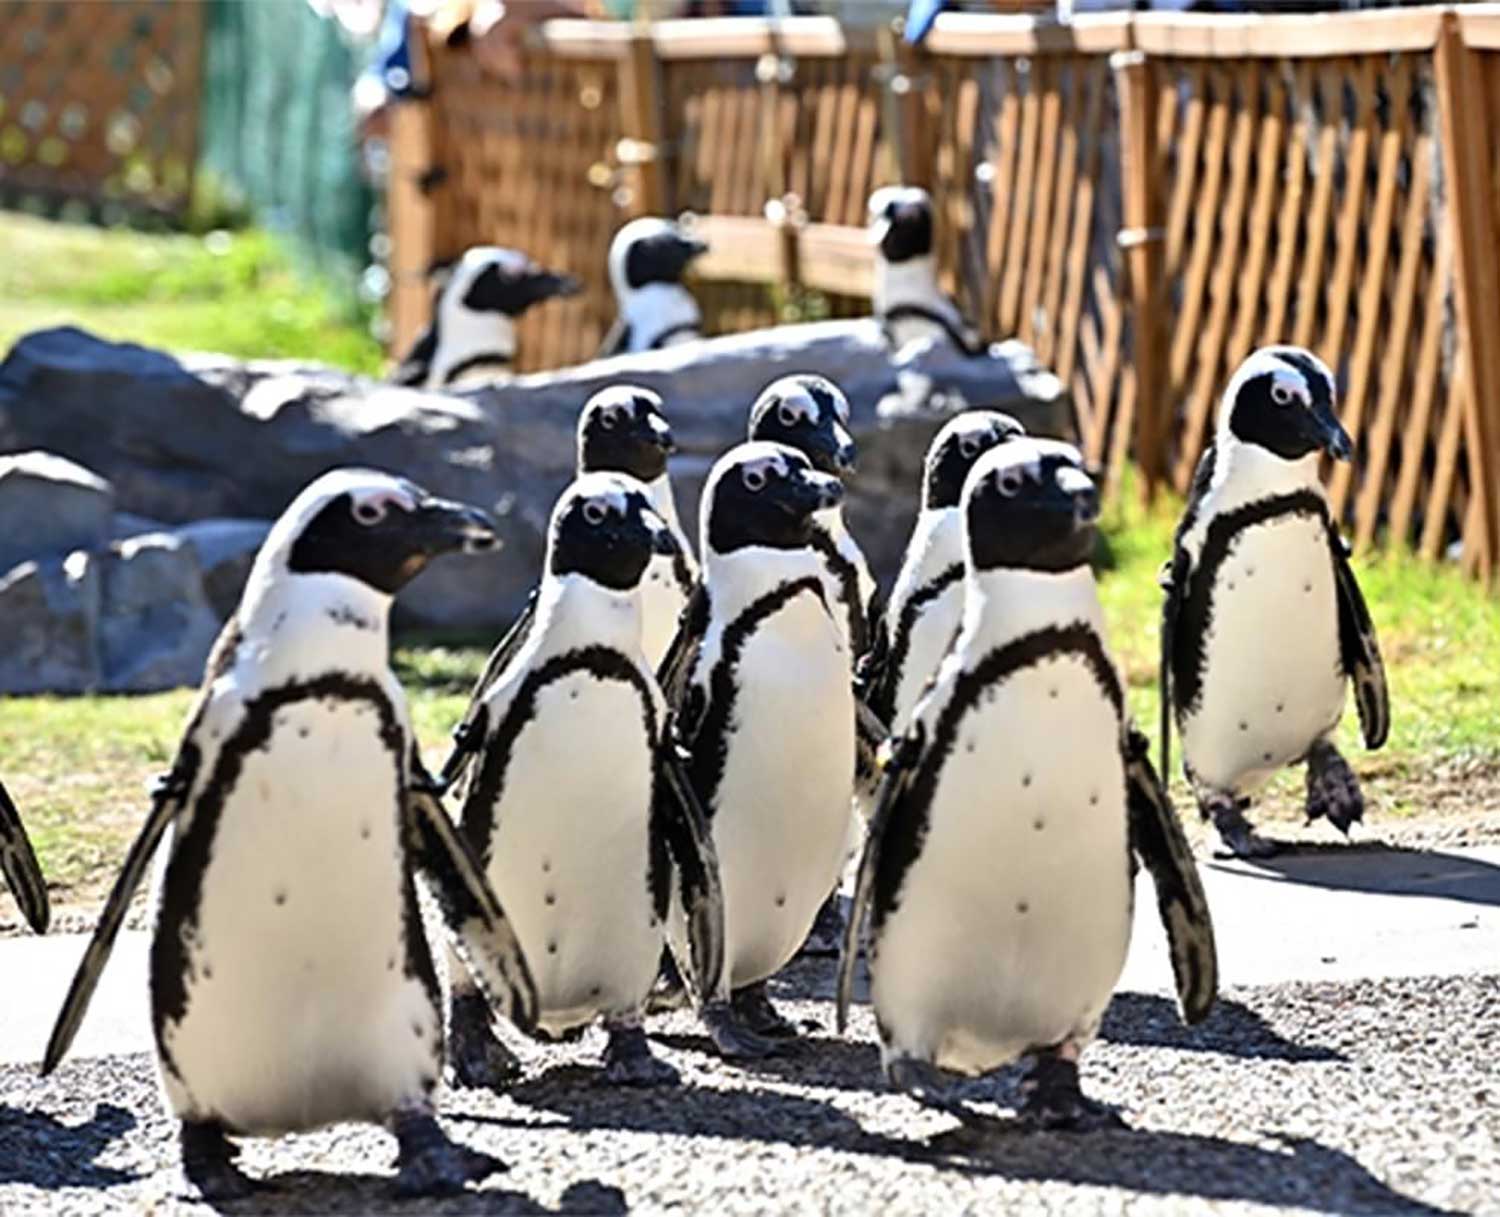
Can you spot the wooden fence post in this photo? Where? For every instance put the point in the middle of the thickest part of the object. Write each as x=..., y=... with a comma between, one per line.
x=643, y=145
x=1471, y=211
x=1140, y=239
x=412, y=213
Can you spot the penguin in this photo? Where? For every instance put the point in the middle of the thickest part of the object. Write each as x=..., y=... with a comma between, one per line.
x=926, y=603
x=477, y=302
x=23, y=874
x=622, y=428
x=906, y=297
x=582, y=839
x=646, y=261
x=1257, y=542
x=758, y=682
x=291, y=982
x=810, y=413
x=997, y=877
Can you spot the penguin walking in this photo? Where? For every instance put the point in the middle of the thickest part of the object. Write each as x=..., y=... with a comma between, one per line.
x=477, y=302
x=646, y=261
x=906, y=297
x=1256, y=543
x=291, y=982
x=997, y=876
x=23, y=874
x=578, y=804
x=758, y=680
x=926, y=603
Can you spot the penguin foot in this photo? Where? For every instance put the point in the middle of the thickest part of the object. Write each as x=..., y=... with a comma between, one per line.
x=1332, y=789
x=733, y=1040
x=922, y=1082
x=1053, y=1101
x=628, y=1060
x=208, y=1163
x=826, y=938
x=429, y=1164
x=756, y=1012
x=1238, y=838
x=479, y=1061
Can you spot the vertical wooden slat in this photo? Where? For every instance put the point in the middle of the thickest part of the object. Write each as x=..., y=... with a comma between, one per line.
x=641, y=120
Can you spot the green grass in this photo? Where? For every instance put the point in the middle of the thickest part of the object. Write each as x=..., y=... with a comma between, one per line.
x=239, y=293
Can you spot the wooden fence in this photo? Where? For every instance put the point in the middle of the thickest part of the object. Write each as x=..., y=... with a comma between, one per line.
x=1142, y=199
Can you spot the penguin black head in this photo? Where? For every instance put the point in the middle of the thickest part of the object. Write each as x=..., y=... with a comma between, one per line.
x=764, y=494
x=605, y=529
x=374, y=527
x=954, y=449
x=1029, y=504
x=901, y=223
x=622, y=428
x=811, y=414
x=488, y=279
x=650, y=250
x=1282, y=399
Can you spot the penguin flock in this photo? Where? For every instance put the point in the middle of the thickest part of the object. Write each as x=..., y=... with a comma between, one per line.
x=671, y=758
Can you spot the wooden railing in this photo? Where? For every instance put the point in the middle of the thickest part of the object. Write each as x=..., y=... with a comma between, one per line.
x=1142, y=199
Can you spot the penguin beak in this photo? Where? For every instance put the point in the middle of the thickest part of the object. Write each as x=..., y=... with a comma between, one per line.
x=831, y=449
x=442, y=527
x=558, y=285
x=1334, y=439
x=662, y=540
x=1082, y=494
x=814, y=492
x=661, y=435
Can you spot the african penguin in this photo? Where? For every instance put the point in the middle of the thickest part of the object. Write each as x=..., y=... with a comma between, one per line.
x=906, y=297
x=476, y=304
x=23, y=874
x=569, y=807
x=646, y=261
x=922, y=615
x=622, y=428
x=758, y=679
x=810, y=413
x=1256, y=544
x=292, y=985
x=997, y=875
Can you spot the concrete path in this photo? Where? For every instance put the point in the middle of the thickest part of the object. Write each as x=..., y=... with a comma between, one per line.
x=1334, y=914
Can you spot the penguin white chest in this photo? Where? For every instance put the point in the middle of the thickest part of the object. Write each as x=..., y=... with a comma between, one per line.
x=662, y=599
x=782, y=809
x=570, y=856
x=930, y=637
x=1272, y=679
x=1011, y=926
x=302, y=1002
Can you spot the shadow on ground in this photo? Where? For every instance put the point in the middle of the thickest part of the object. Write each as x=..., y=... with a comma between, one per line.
x=1376, y=868
x=39, y=1148
x=317, y=1192
x=1232, y=1028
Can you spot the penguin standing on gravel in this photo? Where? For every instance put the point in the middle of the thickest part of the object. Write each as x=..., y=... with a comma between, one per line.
x=758, y=680
x=997, y=876
x=906, y=297
x=22, y=872
x=1264, y=625
x=583, y=840
x=923, y=612
x=472, y=336
x=647, y=259
x=291, y=983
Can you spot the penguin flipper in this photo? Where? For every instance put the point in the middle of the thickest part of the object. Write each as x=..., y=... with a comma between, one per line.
x=167, y=801
x=696, y=861
x=899, y=769
x=677, y=664
x=19, y=866
x=1174, y=584
x=412, y=371
x=1157, y=839
x=483, y=935
x=1359, y=651
x=468, y=736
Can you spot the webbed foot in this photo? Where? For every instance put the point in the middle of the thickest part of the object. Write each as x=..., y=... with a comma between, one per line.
x=478, y=1059
x=628, y=1060
x=429, y=1163
x=208, y=1162
x=1052, y=1099
x=1238, y=838
x=1332, y=789
x=732, y=1038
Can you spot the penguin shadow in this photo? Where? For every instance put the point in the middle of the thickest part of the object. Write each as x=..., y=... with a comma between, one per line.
x=315, y=1192
x=43, y=1151
x=1232, y=1028
x=1375, y=868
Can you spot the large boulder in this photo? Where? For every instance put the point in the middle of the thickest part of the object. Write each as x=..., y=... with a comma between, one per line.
x=186, y=438
x=49, y=507
x=156, y=626
x=225, y=550
x=51, y=613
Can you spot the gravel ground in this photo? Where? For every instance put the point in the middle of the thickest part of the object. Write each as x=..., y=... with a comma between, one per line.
x=1378, y=1097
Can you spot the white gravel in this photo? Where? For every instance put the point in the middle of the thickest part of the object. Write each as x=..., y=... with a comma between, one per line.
x=1377, y=1097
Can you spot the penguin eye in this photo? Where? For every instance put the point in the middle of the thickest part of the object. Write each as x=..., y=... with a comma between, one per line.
x=608, y=418
x=370, y=511
x=787, y=415
x=1282, y=394
x=754, y=479
x=968, y=446
x=1009, y=481
x=594, y=512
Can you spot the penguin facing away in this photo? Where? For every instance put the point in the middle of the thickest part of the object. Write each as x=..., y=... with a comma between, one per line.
x=1257, y=541
x=291, y=982
x=478, y=301
x=997, y=875
x=647, y=259
x=578, y=806
x=758, y=681
x=23, y=874
x=926, y=603
x=906, y=297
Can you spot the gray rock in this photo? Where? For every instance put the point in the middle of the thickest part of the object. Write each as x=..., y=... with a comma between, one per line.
x=49, y=507
x=51, y=613
x=225, y=550
x=127, y=524
x=156, y=627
